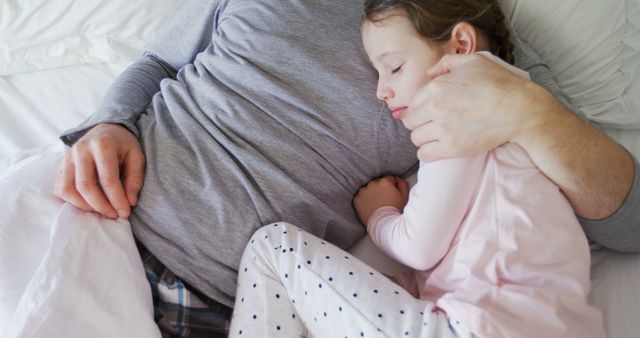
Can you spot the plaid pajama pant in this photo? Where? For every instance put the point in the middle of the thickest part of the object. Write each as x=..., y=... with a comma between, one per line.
x=179, y=310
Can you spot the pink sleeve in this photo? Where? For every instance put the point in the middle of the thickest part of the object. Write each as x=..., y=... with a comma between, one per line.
x=438, y=203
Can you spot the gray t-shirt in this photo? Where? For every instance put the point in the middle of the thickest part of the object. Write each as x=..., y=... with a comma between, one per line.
x=272, y=116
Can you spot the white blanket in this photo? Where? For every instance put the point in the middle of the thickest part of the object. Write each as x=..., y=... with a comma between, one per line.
x=64, y=272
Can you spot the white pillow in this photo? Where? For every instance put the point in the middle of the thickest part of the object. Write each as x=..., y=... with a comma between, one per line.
x=40, y=34
x=592, y=48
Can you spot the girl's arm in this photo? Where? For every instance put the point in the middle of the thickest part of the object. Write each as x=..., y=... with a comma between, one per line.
x=422, y=235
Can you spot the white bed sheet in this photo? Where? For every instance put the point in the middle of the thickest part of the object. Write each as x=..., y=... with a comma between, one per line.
x=43, y=34
x=35, y=107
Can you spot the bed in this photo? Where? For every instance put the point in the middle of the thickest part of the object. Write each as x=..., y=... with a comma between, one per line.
x=57, y=58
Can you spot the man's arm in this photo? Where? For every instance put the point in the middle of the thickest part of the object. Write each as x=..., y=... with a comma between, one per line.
x=127, y=98
x=104, y=169
x=103, y=152
x=595, y=173
x=621, y=230
x=592, y=170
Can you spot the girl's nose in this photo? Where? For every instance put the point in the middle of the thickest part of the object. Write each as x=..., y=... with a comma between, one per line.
x=383, y=92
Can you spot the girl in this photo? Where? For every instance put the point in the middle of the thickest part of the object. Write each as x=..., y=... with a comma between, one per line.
x=495, y=247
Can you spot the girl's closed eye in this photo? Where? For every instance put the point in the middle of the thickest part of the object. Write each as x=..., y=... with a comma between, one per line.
x=395, y=70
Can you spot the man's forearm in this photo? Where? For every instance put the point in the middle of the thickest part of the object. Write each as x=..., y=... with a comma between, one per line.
x=127, y=97
x=594, y=172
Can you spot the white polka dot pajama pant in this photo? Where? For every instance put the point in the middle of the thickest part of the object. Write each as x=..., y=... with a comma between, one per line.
x=293, y=284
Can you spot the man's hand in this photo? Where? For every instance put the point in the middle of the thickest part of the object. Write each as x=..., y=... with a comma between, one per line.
x=388, y=191
x=472, y=105
x=90, y=174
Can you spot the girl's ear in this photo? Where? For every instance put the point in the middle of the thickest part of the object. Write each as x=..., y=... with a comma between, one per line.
x=464, y=38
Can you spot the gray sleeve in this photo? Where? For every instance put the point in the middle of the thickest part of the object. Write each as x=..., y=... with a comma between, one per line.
x=127, y=98
x=186, y=34
x=621, y=230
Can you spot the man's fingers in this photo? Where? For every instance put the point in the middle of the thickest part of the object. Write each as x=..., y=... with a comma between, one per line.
x=91, y=175
x=108, y=169
x=87, y=185
x=432, y=98
x=449, y=63
x=431, y=151
x=426, y=105
x=424, y=134
x=133, y=175
x=66, y=188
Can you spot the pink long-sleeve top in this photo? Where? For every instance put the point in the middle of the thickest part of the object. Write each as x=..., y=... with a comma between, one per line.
x=496, y=245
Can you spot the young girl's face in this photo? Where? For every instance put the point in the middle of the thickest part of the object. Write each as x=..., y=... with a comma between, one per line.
x=401, y=57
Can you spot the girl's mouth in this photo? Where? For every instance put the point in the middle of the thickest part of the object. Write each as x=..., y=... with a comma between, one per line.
x=398, y=113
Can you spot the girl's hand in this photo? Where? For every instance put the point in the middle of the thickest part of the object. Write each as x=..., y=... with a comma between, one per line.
x=387, y=191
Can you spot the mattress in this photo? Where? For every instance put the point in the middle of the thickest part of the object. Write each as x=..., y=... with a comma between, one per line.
x=35, y=107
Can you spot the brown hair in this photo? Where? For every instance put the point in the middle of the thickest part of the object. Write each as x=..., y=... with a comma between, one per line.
x=435, y=19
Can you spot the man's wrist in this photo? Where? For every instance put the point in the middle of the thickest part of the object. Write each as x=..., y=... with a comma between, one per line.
x=539, y=115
